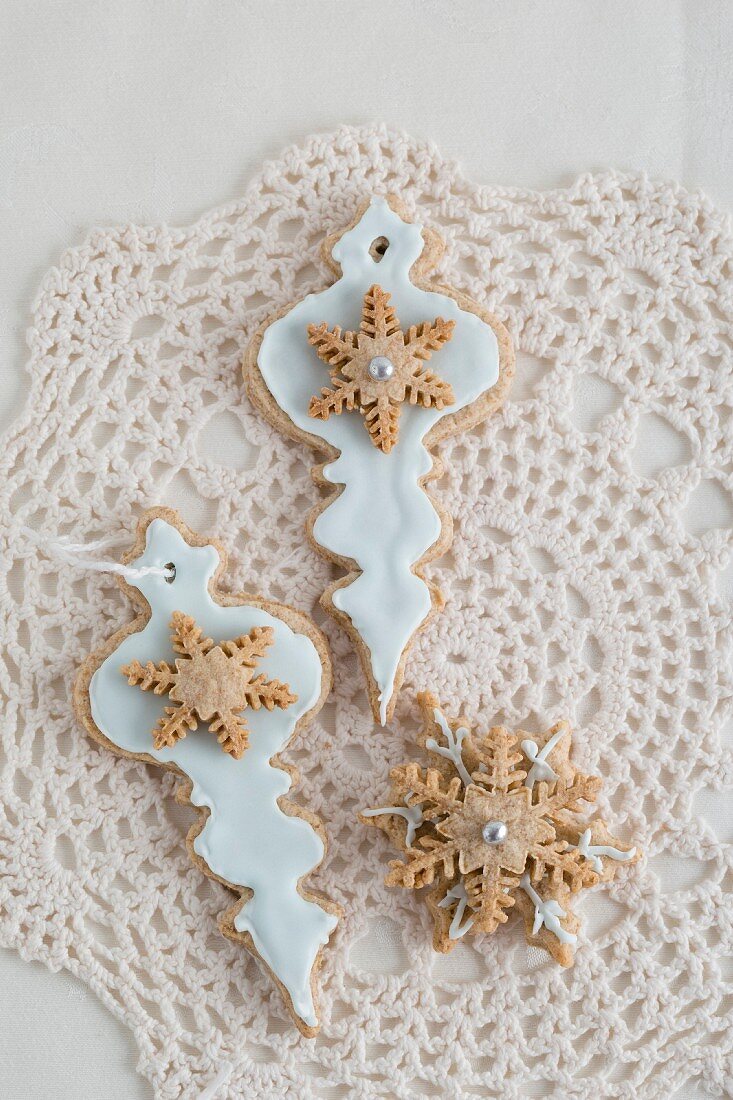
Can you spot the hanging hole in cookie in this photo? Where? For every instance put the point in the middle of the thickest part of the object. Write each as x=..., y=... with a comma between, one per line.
x=170, y=572
x=377, y=249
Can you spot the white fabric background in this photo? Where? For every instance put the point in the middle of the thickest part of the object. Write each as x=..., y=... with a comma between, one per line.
x=154, y=112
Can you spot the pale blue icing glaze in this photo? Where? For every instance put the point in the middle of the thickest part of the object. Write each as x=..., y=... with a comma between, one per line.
x=247, y=839
x=382, y=519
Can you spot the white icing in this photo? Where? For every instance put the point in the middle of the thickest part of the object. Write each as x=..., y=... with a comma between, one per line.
x=453, y=750
x=382, y=519
x=457, y=893
x=547, y=913
x=412, y=815
x=593, y=852
x=541, y=770
x=247, y=839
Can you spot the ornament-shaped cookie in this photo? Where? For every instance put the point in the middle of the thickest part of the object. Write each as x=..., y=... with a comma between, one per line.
x=374, y=372
x=497, y=820
x=212, y=687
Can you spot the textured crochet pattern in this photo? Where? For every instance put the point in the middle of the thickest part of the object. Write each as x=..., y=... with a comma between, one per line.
x=589, y=580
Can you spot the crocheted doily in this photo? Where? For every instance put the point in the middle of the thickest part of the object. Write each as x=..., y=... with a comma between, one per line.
x=587, y=580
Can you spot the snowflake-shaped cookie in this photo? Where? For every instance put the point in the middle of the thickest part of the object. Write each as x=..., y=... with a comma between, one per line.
x=210, y=683
x=379, y=367
x=494, y=822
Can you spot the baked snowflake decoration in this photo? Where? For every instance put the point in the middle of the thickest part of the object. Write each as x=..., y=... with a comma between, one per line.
x=378, y=368
x=495, y=821
x=210, y=683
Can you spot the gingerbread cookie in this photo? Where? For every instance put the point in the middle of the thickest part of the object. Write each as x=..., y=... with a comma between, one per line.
x=496, y=821
x=345, y=371
x=212, y=687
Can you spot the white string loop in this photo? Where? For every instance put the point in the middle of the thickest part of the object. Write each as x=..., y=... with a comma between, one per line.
x=73, y=553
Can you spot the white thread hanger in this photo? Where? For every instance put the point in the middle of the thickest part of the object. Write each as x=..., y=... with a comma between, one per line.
x=75, y=554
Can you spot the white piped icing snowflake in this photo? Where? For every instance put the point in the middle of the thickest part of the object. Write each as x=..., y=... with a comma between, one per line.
x=500, y=823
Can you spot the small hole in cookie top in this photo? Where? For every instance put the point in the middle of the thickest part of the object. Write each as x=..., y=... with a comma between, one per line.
x=170, y=572
x=377, y=249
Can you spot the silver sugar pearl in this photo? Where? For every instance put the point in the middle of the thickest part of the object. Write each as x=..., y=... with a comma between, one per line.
x=381, y=368
x=494, y=832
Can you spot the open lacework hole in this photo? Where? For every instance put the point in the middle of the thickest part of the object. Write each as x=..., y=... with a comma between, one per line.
x=170, y=568
x=377, y=249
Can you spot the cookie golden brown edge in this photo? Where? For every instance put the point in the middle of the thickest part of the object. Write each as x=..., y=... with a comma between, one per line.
x=451, y=423
x=300, y=624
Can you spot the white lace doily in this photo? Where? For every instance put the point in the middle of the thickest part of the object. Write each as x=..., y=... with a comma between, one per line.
x=587, y=579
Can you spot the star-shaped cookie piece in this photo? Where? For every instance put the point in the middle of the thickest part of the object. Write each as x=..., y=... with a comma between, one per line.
x=495, y=821
x=378, y=368
x=210, y=683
